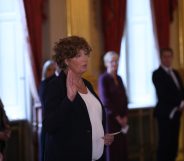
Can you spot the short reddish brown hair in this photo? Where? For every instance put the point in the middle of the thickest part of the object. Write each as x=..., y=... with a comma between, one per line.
x=69, y=47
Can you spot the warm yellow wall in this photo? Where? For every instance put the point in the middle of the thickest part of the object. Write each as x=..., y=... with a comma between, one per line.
x=174, y=41
x=84, y=20
x=57, y=20
x=73, y=17
x=181, y=32
x=177, y=43
x=55, y=25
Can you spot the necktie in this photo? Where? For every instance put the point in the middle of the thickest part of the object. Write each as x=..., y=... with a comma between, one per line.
x=171, y=73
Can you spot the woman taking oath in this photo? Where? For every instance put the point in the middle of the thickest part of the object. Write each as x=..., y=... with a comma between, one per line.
x=113, y=96
x=74, y=115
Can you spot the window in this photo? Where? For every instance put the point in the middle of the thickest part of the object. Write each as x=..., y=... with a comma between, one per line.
x=14, y=89
x=139, y=54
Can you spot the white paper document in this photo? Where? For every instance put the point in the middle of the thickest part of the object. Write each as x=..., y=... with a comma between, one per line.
x=181, y=104
x=172, y=113
x=124, y=130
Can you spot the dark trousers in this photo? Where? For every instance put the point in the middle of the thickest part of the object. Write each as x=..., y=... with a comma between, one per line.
x=168, y=131
x=42, y=145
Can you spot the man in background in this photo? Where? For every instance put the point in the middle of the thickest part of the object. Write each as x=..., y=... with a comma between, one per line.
x=170, y=94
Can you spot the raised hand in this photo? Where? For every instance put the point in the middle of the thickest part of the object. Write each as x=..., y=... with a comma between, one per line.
x=70, y=85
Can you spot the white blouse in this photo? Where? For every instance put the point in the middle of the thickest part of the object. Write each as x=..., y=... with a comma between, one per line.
x=95, y=114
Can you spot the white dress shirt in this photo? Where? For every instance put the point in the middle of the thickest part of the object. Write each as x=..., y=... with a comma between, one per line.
x=95, y=114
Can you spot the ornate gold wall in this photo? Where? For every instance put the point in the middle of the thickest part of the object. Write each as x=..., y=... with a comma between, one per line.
x=181, y=68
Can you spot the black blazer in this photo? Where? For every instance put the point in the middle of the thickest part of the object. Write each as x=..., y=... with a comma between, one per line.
x=169, y=96
x=43, y=86
x=4, y=121
x=67, y=124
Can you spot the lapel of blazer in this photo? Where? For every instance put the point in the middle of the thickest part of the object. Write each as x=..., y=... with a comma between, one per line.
x=169, y=78
x=178, y=78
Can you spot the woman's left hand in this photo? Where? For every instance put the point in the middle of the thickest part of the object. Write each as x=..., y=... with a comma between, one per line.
x=108, y=139
x=70, y=85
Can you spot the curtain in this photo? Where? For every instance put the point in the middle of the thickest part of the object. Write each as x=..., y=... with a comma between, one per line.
x=34, y=17
x=163, y=12
x=113, y=19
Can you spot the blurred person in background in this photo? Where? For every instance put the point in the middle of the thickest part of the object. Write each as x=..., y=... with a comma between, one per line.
x=49, y=70
x=48, y=73
x=170, y=94
x=113, y=95
x=5, y=131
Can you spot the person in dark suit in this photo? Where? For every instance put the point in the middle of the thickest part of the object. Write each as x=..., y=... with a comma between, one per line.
x=170, y=94
x=48, y=73
x=74, y=115
x=5, y=131
x=113, y=95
